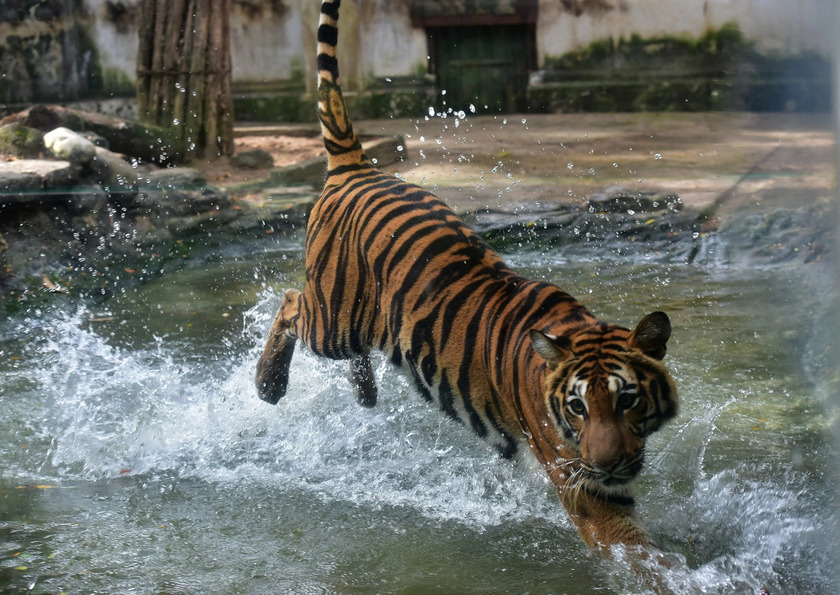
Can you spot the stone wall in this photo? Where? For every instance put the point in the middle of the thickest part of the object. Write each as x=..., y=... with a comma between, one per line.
x=45, y=51
x=66, y=50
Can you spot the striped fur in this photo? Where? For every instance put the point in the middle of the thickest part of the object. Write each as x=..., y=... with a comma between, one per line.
x=389, y=267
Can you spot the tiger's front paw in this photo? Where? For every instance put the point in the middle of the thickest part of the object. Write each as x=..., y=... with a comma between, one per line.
x=273, y=365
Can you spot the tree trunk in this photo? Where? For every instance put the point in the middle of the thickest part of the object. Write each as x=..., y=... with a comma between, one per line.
x=184, y=75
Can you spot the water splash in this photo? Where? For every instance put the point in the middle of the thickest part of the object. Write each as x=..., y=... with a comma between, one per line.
x=163, y=412
x=144, y=412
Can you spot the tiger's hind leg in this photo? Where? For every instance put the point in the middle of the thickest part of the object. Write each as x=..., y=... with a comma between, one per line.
x=273, y=365
x=361, y=377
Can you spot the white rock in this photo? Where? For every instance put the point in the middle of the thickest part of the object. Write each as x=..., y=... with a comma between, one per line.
x=66, y=144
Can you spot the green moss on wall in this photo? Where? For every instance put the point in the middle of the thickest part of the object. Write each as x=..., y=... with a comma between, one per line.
x=298, y=72
x=281, y=106
x=719, y=70
x=89, y=64
x=407, y=96
x=116, y=81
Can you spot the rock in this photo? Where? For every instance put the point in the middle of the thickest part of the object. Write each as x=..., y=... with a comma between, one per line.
x=383, y=152
x=96, y=139
x=256, y=159
x=180, y=202
x=203, y=222
x=66, y=144
x=14, y=184
x=144, y=141
x=177, y=178
x=183, y=191
x=17, y=140
x=387, y=150
x=5, y=269
x=113, y=172
x=310, y=171
x=624, y=200
x=31, y=180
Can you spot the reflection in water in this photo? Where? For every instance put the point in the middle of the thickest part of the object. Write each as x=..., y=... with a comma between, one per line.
x=138, y=459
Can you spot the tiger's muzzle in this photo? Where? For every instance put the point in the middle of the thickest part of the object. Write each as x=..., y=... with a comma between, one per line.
x=613, y=474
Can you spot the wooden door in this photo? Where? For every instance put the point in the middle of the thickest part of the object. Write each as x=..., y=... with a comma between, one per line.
x=483, y=66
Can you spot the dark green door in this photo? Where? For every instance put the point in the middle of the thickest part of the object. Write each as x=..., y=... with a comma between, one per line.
x=484, y=66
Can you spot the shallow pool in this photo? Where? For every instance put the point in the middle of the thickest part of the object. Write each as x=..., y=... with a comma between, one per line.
x=137, y=458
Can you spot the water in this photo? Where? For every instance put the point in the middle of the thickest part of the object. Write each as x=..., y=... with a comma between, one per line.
x=137, y=458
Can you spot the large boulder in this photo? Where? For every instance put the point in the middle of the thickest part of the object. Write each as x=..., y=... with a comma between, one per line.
x=144, y=141
x=184, y=191
x=618, y=199
x=34, y=180
x=112, y=172
x=18, y=140
x=255, y=159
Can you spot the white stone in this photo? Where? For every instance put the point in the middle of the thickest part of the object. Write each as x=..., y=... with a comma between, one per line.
x=69, y=145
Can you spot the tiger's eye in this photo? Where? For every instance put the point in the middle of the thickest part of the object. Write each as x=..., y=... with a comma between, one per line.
x=627, y=400
x=576, y=406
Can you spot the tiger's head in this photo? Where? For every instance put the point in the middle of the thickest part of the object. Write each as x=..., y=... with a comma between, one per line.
x=606, y=392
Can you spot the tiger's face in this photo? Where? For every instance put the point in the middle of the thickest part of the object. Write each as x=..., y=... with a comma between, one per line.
x=606, y=392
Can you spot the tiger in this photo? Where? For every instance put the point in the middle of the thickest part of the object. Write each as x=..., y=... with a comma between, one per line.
x=391, y=268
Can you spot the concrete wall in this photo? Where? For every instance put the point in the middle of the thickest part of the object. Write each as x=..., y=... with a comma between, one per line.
x=91, y=47
x=275, y=41
x=774, y=25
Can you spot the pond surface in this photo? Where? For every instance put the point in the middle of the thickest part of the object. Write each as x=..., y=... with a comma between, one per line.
x=136, y=457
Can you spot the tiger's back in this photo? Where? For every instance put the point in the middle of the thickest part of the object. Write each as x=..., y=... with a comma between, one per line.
x=390, y=267
x=408, y=278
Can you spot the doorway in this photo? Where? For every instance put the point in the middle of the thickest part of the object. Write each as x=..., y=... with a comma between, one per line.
x=482, y=66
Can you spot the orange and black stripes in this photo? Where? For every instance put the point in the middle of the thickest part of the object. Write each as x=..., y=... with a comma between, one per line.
x=390, y=267
x=343, y=147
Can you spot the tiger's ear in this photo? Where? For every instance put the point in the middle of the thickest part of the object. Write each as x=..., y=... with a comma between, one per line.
x=652, y=334
x=552, y=348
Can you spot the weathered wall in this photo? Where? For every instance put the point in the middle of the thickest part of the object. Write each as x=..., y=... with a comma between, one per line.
x=774, y=25
x=112, y=25
x=266, y=42
x=376, y=41
x=66, y=49
x=392, y=46
x=44, y=50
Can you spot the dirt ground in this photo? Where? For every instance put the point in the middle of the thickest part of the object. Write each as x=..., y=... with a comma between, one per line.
x=285, y=149
x=508, y=162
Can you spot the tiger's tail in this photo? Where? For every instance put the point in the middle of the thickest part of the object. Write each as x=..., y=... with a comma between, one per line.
x=343, y=147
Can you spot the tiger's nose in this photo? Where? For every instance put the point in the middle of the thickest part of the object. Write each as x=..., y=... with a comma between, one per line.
x=604, y=448
x=607, y=466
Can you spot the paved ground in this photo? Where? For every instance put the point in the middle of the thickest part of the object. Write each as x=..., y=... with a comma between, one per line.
x=738, y=160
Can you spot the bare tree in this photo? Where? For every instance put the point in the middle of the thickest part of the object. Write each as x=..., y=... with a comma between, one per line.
x=184, y=74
